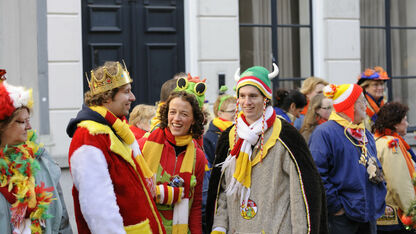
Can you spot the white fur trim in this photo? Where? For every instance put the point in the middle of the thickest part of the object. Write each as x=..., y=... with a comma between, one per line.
x=97, y=199
x=18, y=94
x=181, y=212
x=136, y=149
x=161, y=193
x=344, y=95
x=220, y=229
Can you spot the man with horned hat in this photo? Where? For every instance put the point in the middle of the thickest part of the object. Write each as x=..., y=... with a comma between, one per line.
x=346, y=157
x=113, y=187
x=264, y=179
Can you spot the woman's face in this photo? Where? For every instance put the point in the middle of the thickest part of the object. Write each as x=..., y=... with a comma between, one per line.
x=375, y=89
x=16, y=131
x=324, y=111
x=401, y=128
x=180, y=117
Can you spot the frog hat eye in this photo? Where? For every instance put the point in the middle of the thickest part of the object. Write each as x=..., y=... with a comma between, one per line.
x=200, y=88
x=182, y=83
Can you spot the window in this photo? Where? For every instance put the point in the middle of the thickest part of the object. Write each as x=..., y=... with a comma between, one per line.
x=388, y=32
x=277, y=31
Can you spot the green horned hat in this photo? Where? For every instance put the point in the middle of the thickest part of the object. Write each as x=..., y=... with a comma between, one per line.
x=258, y=77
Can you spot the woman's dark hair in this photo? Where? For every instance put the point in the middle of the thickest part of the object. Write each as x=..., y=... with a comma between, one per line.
x=197, y=128
x=389, y=115
x=283, y=99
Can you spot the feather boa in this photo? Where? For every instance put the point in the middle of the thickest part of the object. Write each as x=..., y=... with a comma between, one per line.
x=18, y=167
x=239, y=161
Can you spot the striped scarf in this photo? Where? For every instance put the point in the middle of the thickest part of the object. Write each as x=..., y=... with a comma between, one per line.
x=221, y=124
x=152, y=152
x=122, y=129
x=240, y=161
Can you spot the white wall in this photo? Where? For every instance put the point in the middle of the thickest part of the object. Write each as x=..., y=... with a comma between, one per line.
x=65, y=82
x=337, y=40
x=212, y=41
x=19, y=48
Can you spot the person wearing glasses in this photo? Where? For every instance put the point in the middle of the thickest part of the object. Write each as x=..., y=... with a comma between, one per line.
x=372, y=81
x=31, y=199
x=346, y=157
x=224, y=111
x=318, y=112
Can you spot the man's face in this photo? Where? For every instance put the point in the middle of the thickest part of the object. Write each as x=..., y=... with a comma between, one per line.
x=120, y=104
x=251, y=102
x=359, y=109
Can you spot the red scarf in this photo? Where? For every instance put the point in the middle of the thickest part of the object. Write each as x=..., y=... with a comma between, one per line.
x=320, y=120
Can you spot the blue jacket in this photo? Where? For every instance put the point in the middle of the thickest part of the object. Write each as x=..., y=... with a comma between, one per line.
x=345, y=179
x=282, y=113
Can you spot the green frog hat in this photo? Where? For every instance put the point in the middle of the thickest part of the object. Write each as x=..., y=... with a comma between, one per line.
x=193, y=85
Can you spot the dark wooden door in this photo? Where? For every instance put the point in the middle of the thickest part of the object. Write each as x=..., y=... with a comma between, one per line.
x=147, y=34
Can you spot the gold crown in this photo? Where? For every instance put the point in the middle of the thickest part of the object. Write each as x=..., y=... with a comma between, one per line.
x=108, y=81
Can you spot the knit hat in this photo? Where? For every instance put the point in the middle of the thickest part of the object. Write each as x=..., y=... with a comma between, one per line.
x=258, y=77
x=344, y=97
x=13, y=97
x=377, y=73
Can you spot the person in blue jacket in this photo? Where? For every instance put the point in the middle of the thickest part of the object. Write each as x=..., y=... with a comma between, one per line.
x=346, y=157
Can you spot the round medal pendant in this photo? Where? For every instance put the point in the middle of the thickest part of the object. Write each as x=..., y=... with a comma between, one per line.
x=248, y=211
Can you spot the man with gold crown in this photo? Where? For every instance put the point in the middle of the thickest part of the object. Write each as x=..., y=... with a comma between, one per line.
x=346, y=157
x=264, y=179
x=113, y=187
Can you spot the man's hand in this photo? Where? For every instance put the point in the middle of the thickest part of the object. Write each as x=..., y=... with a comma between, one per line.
x=340, y=212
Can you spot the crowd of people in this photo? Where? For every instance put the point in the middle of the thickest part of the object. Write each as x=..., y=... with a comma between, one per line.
x=323, y=159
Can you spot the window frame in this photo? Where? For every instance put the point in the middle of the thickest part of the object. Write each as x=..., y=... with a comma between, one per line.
x=388, y=31
x=274, y=27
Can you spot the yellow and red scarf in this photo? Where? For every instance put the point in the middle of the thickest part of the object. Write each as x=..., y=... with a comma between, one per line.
x=152, y=152
x=123, y=130
x=221, y=124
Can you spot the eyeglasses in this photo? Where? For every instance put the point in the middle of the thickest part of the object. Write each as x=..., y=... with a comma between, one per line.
x=230, y=111
x=327, y=108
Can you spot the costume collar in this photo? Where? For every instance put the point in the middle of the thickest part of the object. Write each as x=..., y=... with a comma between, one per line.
x=345, y=123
